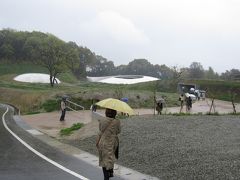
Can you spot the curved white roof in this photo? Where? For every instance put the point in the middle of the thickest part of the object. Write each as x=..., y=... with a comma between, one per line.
x=34, y=78
x=126, y=79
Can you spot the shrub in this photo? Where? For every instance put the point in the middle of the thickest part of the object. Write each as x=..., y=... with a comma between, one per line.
x=181, y=114
x=51, y=105
x=68, y=131
x=215, y=113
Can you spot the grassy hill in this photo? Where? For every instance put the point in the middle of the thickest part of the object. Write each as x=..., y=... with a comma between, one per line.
x=36, y=97
x=21, y=68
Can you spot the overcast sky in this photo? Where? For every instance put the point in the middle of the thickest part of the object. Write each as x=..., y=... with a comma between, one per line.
x=171, y=32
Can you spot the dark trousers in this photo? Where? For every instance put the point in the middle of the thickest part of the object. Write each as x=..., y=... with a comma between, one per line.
x=63, y=115
x=107, y=173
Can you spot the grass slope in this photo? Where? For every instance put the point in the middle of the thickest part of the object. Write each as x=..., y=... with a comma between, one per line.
x=36, y=97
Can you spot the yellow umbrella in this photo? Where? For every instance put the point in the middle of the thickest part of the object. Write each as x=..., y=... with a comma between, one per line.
x=116, y=105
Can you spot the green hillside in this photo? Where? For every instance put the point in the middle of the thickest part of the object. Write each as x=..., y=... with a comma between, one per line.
x=20, y=68
x=37, y=97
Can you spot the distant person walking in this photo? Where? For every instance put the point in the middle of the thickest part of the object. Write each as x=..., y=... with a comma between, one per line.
x=63, y=109
x=159, y=108
x=108, y=142
x=188, y=103
x=181, y=99
x=94, y=106
x=159, y=104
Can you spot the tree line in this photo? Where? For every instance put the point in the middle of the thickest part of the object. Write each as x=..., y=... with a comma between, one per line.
x=59, y=56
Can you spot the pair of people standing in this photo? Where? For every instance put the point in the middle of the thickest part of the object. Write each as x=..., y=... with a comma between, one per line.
x=108, y=143
x=188, y=101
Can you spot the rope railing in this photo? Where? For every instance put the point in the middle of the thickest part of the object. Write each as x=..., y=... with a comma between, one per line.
x=71, y=108
x=75, y=105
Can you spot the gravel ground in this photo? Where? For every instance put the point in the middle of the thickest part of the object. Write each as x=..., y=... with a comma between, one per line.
x=178, y=147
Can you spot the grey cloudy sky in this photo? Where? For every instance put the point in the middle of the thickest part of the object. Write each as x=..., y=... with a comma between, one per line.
x=171, y=32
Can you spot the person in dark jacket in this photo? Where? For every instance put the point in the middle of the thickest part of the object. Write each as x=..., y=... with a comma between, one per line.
x=159, y=107
x=188, y=103
x=63, y=109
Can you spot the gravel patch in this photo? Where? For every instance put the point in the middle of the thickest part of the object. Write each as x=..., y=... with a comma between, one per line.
x=178, y=147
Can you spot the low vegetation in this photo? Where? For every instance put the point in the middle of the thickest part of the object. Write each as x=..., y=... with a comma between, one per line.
x=51, y=105
x=68, y=131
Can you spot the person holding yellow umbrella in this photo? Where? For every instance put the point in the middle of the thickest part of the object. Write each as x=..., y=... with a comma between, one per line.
x=107, y=141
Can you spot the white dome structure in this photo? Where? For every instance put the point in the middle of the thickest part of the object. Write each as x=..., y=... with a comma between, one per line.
x=123, y=79
x=34, y=78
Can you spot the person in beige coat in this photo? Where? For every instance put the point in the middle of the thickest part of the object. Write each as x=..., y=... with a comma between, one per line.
x=108, y=142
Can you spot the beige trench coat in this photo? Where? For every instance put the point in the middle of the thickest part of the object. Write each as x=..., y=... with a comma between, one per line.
x=108, y=142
